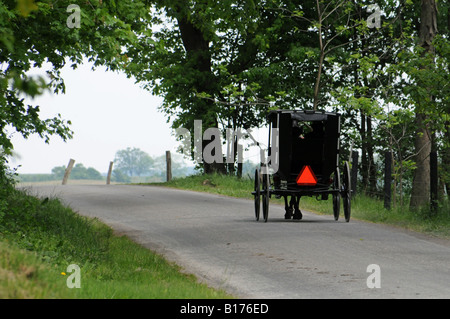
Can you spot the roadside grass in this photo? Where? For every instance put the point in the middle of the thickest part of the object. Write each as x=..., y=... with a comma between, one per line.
x=23, y=276
x=40, y=238
x=363, y=207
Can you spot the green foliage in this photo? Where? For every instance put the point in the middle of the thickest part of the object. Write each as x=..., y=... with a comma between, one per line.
x=205, y=63
x=36, y=34
x=23, y=178
x=78, y=172
x=228, y=63
x=133, y=161
x=58, y=171
x=120, y=177
x=233, y=62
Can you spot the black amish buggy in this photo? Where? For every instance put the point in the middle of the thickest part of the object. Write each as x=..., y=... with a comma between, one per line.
x=302, y=160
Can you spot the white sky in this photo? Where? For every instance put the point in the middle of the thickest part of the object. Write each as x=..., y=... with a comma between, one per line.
x=109, y=112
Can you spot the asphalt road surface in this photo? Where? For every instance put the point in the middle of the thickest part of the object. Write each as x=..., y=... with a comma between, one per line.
x=217, y=239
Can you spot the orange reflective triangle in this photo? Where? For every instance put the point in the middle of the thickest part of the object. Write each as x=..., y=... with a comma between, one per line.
x=306, y=177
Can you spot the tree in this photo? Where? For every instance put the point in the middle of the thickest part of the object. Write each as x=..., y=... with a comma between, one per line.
x=423, y=138
x=176, y=62
x=58, y=171
x=179, y=168
x=204, y=62
x=229, y=62
x=120, y=177
x=36, y=33
x=79, y=171
x=133, y=161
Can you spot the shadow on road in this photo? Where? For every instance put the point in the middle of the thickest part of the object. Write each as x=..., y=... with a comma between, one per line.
x=282, y=220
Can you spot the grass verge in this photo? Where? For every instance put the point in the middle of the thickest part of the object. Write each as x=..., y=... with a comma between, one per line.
x=363, y=207
x=40, y=238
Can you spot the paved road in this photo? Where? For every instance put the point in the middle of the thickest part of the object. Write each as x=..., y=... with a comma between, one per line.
x=217, y=239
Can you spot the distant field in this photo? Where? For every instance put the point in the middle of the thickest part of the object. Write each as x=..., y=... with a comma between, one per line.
x=70, y=182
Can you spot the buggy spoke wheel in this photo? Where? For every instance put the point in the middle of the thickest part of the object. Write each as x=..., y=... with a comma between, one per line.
x=347, y=208
x=347, y=196
x=257, y=194
x=337, y=195
x=265, y=197
x=336, y=206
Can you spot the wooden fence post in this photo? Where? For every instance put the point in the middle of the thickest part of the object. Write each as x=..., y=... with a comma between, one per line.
x=387, y=179
x=108, y=178
x=67, y=172
x=169, y=166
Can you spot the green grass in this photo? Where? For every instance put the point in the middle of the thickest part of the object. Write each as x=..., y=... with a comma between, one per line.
x=40, y=238
x=216, y=184
x=23, y=275
x=363, y=207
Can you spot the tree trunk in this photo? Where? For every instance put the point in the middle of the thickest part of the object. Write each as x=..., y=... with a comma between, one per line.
x=445, y=177
x=428, y=24
x=197, y=50
x=371, y=159
x=364, y=166
x=317, y=85
x=420, y=194
x=445, y=173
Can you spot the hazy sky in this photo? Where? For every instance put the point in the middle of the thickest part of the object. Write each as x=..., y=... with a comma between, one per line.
x=108, y=112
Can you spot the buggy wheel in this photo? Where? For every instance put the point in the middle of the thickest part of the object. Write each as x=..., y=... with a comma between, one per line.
x=336, y=195
x=257, y=194
x=347, y=194
x=265, y=196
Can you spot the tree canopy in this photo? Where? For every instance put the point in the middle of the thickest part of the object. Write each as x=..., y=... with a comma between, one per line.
x=383, y=66
x=36, y=34
x=133, y=161
x=79, y=171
